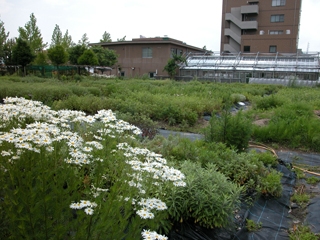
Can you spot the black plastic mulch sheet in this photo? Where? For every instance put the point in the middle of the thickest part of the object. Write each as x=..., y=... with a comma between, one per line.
x=272, y=213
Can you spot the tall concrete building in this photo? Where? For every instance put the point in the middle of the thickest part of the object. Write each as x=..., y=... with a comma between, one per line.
x=265, y=26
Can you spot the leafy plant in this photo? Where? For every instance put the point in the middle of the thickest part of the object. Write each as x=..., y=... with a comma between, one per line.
x=208, y=199
x=234, y=131
x=302, y=233
x=300, y=198
x=313, y=180
x=270, y=185
x=253, y=226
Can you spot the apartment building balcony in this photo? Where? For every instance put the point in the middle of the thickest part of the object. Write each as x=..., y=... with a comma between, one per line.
x=250, y=9
x=241, y=24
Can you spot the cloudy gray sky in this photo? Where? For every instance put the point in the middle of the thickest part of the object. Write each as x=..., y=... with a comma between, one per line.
x=195, y=22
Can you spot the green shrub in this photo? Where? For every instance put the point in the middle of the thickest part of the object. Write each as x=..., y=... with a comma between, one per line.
x=270, y=185
x=313, y=180
x=208, y=199
x=234, y=131
x=268, y=102
x=268, y=159
x=253, y=226
x=302, y=233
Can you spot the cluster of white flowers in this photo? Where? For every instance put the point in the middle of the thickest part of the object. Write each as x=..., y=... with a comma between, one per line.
x=152, y=235
x=52, y=127
x=84, y=204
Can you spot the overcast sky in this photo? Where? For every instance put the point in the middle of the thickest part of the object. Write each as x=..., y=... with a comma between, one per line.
x=195, y=22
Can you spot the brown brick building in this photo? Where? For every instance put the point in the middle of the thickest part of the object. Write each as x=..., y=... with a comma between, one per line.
x=267, y=26
x=147, y=56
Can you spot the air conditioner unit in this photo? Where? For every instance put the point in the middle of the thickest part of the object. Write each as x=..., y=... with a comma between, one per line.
x=288, y=31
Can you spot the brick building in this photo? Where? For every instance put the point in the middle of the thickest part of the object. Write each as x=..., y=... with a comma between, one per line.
x=147, y=56
x=267, y=26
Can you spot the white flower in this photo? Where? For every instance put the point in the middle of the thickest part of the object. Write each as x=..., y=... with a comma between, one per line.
x=88, y=211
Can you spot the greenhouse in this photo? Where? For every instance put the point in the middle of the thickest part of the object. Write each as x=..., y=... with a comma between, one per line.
x=253, y=68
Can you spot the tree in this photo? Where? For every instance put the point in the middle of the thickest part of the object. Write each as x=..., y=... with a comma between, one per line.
x=121, y=39
x=173, y=64
x=8, y=51
x=41, y=59
x=88, y=58
x=106, y=57
x=75, y=52
x=84, y=40
x=67, y=40
x=106, y=37
x=31, y=34
x=22, y=53
x=3, y=39
x=58, y=55
x=56, y=38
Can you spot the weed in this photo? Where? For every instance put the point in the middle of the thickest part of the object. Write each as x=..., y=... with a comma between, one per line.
x=253, y=226
x=313, y=180
x=302, y=233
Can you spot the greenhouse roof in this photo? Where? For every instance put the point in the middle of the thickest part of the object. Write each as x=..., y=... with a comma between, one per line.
x=254, y=62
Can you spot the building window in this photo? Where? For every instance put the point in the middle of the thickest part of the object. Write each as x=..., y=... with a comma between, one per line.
x=276, y=3
x=276, y=32
x=273, y=49
x=147, y=52
x=246, y=49
x=277, y=18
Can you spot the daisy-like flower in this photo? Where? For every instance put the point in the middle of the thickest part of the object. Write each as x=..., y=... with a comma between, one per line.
x=88, y=211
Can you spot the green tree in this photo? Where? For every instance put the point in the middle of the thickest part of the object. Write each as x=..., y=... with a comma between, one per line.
x=41, y=59
x=3, y=39
x=67, y=40
x=56, y=38
x=75, y=52
x=84, y=41
x=31, y=34
x=121, y=39
x=58, y=55
x=173, y=64
x=106, y=37
x=88, y=58
x=22, y=53
x=106, y=57
x=8, y=51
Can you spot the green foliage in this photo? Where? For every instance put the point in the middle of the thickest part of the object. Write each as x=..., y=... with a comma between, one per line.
x=293, y=125
x=3, y=39
x=253, y=226
x=57, y=55
x=41, y=59
x=300, y=198
x=303, y=233
x=268, y=159
x=172, y=65
x=270, y=184
x=32, y=35
x=268, y=102
x=234, y=131
x=22, y=53
x=106, y=57
x=313, y=180
x=88, y=58
x=209, y=199
x=75, y=52
x=106, y=37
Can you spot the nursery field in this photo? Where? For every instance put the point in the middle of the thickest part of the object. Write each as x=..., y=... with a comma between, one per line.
x=81, y=158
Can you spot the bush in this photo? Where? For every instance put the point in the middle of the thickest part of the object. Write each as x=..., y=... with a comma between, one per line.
x=208, y=199
x=234, y=131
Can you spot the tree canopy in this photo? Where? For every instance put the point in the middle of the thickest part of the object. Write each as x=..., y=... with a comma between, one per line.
x=173, y=64
x=75, y=52
x=3, y=39
x=22, y=53
x=57, y=39
x=106, y=57
x=106, y=37
x=31, y=34
x=84, y=41
x=88, y=58
x=57, y=55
